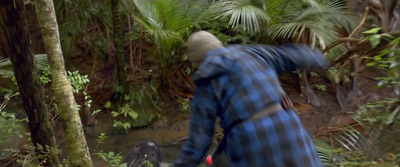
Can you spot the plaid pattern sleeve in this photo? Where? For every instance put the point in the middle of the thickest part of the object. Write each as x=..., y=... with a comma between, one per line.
x=288, y=57
x=202, y=124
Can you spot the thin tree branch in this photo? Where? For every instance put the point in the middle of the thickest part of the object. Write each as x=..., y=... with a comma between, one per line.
x=366, y=12
x=339, y=41
x=364, y=47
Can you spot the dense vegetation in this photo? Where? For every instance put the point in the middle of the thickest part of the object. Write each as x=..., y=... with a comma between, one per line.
x=123, y=57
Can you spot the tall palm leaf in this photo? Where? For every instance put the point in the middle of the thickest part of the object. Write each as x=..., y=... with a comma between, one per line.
x=200, y=11
x=243, y=14
x=170, y=21
x=316, y=24
x=165, y=21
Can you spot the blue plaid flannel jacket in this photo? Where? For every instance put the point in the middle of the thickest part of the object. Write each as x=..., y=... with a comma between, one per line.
x=237, y=81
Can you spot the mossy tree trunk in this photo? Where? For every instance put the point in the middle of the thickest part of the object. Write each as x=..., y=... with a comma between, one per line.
x=12, y=23
x=78, y=151
x=118, y=43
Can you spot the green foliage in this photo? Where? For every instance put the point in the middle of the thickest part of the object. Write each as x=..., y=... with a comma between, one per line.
x=29, y=156
x=148, y=163
x=312, y=21
x=141, y=95
x=243, y=14
x=125, y=117
x=321, y=87
x=168, y=22
x=377, y=144
x=185, y=105
x=125, y=111
x=88, y=101
x=86, y=26
x=329, y=156
x=7, y=71
x=125, y=124
x=108, y=104
x=374, y=37
x=77, y=81
x=387, y=60
x=101, y=138
x=45, y=78
x=6, y=67
x=377, y=113
x=10, y=125
x=112, y=159
x=314, y=74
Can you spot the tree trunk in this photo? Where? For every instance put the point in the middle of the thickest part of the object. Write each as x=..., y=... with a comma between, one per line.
x=12, y=23
x=78, y=151
x=118, y=42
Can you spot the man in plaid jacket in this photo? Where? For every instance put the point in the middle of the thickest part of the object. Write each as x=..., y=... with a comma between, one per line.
x=236, y=83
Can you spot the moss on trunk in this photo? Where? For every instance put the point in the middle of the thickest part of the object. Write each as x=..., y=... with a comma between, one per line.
x=78, y=151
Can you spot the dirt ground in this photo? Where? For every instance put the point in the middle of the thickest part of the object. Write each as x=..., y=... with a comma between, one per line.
x=318, y=119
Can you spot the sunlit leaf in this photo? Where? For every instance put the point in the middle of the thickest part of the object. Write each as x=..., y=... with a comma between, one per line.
x=375, y=40
x=371, y=64
x=372, y=31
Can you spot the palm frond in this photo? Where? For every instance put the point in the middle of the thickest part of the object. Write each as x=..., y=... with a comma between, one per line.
x=7, y=70
x=167, y=15
x=315, y=24
x=329, y=156
x=243, y=14
x=275, y=9
x=41, y=61
x=200, y=11
x=166, y=21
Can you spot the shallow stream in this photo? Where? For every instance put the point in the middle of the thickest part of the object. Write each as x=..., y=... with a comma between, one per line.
x=168, y=137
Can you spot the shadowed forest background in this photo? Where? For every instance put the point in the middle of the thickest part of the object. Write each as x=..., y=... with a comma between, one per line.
x=83, y=81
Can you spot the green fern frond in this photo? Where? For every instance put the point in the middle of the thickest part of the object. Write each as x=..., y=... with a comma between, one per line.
x=311, y=21
x=329, y=156
x=243, y=14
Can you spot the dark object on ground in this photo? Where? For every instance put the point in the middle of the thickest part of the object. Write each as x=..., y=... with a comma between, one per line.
x=143, y=154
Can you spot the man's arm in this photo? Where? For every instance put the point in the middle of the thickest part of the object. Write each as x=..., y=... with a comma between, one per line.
x=289, y=57
x=202, y=124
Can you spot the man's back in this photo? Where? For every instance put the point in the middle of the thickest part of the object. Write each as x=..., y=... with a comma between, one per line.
x=245, y=84
x=234, y=83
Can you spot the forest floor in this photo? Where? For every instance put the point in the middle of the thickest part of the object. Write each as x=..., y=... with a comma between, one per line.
x=173, y=124
x=313, y=118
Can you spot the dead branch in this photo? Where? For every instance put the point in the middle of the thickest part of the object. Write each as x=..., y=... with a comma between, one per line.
x=364, y=48
x=339, y=41
x=366, y=12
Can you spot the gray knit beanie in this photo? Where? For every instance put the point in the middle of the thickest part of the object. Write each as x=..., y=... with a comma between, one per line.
x=199, y=43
